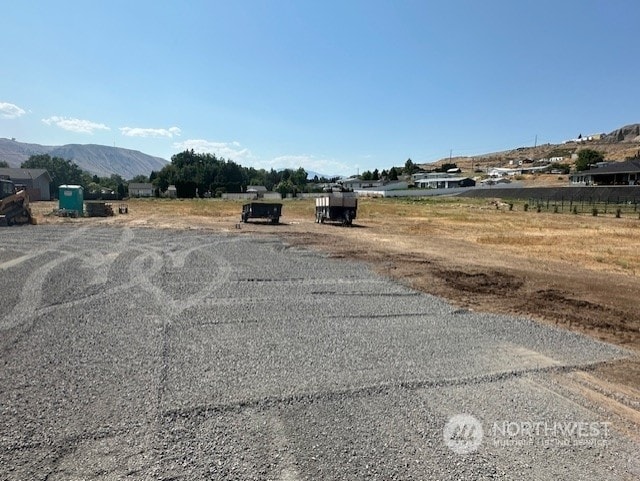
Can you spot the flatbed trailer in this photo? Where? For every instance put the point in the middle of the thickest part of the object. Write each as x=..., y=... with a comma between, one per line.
x=337, y=207
x=262, y=210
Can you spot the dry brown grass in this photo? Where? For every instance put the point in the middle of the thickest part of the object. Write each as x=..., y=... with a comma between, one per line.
x=602, y=243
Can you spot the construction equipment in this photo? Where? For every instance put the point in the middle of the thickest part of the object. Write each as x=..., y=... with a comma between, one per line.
x=262, y=210
x=337, y=207
x=14, y=204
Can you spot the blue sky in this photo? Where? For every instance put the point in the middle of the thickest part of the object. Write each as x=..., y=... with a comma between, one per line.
x=333, y=86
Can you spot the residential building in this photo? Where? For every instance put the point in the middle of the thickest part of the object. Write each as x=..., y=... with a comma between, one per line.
x=36, y=181
x=138, y=189
x=613, y=173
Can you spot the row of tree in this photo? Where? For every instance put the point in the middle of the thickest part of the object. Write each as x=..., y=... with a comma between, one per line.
x=205, y=174
x=193, y=175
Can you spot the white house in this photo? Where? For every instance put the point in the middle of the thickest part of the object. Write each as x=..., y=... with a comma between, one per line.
x=444, y=182
x=138, y=189
x=356, y=183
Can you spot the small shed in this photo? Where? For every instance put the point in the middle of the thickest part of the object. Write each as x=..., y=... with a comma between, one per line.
x=258, y=190
x=71, y=198
x=172, y=192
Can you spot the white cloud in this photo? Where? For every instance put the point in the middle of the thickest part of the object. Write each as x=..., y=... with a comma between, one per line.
x=242, y=155
x=227, y=150
x=310, y=162
x=155, y=133
x=75, y=125
x=10, y=111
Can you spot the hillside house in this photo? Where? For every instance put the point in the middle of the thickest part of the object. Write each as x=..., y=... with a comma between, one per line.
x=444, y=182
x=612, y=173
x=36, y=181
x=357, y=183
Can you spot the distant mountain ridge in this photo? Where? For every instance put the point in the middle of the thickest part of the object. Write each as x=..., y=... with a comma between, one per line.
x=99, y=160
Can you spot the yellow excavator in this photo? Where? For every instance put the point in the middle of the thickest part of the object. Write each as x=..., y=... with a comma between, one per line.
x=14, y=204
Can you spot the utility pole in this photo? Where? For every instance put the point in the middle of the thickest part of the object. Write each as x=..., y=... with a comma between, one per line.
x=535, y=144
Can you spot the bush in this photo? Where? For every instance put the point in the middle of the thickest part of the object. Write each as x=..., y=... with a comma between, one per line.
x=526, y=207
x=594, y=212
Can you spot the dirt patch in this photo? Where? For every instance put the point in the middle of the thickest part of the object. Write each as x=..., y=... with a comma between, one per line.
x=492, y=282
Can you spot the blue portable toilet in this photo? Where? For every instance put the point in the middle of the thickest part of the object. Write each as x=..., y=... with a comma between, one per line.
x=71, y=199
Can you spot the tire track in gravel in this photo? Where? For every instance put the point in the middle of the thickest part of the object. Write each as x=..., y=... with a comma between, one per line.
x=30, y=302
x=368, y=390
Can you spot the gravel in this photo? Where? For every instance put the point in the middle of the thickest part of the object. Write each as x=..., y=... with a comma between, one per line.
x=160, y=354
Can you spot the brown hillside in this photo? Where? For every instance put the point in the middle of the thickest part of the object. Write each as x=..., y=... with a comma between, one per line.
x=616, y=146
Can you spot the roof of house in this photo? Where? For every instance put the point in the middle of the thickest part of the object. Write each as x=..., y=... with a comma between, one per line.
x=24, y=174
x=256, y=188
x=441, y=179
x=626, y=167
x=356, y=180
x=140, y=185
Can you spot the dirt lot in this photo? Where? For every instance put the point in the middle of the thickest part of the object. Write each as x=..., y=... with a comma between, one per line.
x=576, y=272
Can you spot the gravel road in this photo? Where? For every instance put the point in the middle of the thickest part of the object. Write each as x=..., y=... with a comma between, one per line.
x=185, y=355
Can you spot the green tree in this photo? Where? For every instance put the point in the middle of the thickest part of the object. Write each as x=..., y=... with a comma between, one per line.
x=4, y=164
x=62, y=171
x=299, y=178
x=587, y=158
x=446, y=166
x=285, y=187
x=375, y=175
x=140, y=179
x=393, y=173
x=410, y=167
x=366, y=175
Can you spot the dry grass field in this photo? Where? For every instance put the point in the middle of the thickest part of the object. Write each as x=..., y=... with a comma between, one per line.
x=578, y=272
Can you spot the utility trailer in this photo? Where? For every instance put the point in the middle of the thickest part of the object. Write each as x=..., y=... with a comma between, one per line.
x=262, y=210
x=337, y=207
